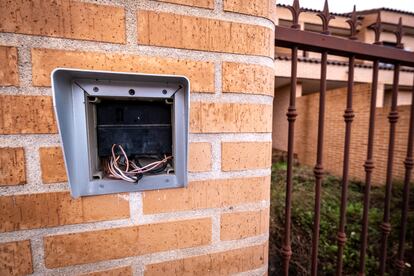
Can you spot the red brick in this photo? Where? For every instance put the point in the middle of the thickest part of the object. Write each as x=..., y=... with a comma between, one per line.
x=248, y=78
x=9, y=72
x=222, y=263
x=65, y=18
x=122, y=271
x=15, y=258
x=200, y=73
x=236, y=156
x=199, y=157
x=52, y=165
x=12, y=166
x=208, y=4
x=20, y=212
x=207, y=194
x=241, y=225
x=26, y=115
x=230, y=117
x=95, y=246
x=196, y=33
x=261, y=8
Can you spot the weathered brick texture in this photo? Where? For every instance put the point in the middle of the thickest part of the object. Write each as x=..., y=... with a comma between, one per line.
x=208, y=4
x=117, y=243
x=235, y=226
x=205, y=34
x=263, y=8
x=305, y=142
x=15, y=258
x=222, y=263
x=230, y=117
x=52, y=165
x=26, y=115
x=122, y=271
x=236, y=156
x=67, y=19
x=12, y=166
x=226, y=49
x=200, y=157
x=207, y=194
x=9, y=72
x=19, y=212
x=201, y=74
x=248, y=78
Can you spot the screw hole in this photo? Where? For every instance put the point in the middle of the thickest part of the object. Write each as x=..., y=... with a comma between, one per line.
x=131, y=92
x=164, y=91
x=95, y=89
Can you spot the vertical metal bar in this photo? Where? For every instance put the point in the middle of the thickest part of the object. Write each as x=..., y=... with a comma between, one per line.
x=348, y=118
x=369, y=167
x=291, y=117
x=318, y=170
x=409, y=164
x=393, y=119
x=412, y=257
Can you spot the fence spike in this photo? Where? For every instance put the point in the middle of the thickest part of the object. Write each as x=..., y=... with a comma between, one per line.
x=325, y=16
x=377, y=27
x=295, y=10
x=353, y=24
x=399, y=33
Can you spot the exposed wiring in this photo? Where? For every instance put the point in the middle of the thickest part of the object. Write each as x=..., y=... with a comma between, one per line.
x=120, y=167
x=157, y=170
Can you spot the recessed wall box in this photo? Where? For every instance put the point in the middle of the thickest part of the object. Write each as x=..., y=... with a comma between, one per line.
x=122, y=132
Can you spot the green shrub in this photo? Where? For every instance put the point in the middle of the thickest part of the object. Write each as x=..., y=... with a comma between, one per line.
x=302, y=222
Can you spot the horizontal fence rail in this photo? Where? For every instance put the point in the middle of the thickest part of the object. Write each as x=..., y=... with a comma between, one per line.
x=323, y=43
x=287, y=37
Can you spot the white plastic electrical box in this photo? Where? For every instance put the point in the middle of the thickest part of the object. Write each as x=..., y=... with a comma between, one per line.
x=148, y=115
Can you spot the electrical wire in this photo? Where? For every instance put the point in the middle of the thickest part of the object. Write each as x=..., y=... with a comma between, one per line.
x=157, y=170
x=120, y=167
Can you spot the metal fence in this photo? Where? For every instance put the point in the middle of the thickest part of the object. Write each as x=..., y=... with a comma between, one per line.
x=324, y=43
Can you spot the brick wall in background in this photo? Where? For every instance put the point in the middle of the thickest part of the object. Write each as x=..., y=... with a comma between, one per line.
x=219, y=223
x=280, y=123
x=306, y=134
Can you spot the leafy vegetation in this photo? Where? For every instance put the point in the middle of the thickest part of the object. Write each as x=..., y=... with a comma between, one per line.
x=302, y=221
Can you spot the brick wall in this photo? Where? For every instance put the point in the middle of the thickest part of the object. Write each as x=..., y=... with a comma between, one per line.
x=219, y=223
x=307, y=126
x=280, y=123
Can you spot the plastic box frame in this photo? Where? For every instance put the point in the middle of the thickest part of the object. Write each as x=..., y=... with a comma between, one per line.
x=70, y=90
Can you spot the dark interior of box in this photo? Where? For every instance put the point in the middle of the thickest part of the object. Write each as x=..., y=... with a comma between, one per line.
x=143, y=128
x=133, y=136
